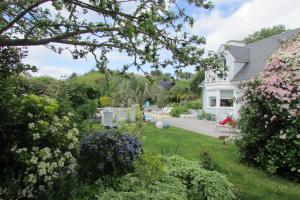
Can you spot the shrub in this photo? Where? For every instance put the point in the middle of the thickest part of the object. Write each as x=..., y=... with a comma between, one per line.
x=196, y=104
x=179, y=179
x=207, y=162
x=167, y=188
x=207, y=116
x=82, y=95
x=87, y=109
x=149, y=168
x=105, y=101
x=270, y=120
x=133, y=128
x=43, y=144
x=178, y=110
x=200, y=183
x=107, y=153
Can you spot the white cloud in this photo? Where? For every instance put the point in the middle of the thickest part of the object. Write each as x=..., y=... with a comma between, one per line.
x=56, y=72
x=223, y=2
x=249, y=17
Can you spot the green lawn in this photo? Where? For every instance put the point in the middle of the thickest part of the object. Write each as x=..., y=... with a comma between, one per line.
x=251, y=183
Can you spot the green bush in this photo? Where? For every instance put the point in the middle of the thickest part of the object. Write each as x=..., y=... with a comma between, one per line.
x=167, y=188
x=178, y=110
x=270, y=116
x=206, y=161
x=104, y=101
x=196, y=104
x=43, y=145
x=149, y=168
x=184, y=106
x=200, y=183
x=174, y=178
x=206, y=116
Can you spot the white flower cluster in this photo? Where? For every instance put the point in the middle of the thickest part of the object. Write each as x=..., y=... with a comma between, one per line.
x=44, y=164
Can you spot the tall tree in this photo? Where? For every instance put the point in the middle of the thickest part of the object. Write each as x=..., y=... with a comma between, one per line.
x=264, y=33
x=144, y=29
x=197, y=78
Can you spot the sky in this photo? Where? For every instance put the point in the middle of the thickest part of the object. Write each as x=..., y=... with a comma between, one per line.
x=230, y=19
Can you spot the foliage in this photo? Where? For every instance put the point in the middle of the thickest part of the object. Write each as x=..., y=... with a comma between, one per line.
x=105, y=101
x=82, y=94
x=215, y=62
x=207, y=116
x=129, y=187
x=264, y=33
x=42, y=85
x=196, y=104
x=197, y=78
x=36, y=153
x=183, y=75
x=270, y=120
x=181, y=179
x=88, y=191
x=10, y=62
x=207, y=162
x=178, y=110
x=107, y=153
x=133, y=128
x=142, y=32
x=149, y=168
x=200, y=183
x=249, y=182
x=184, y=106
x=42, y=149
x=180, y=91
x=135, y=89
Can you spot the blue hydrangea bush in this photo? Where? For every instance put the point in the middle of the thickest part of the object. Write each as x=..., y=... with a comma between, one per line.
x=107, y=153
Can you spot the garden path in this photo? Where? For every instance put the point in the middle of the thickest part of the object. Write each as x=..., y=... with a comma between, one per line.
x=198, y=126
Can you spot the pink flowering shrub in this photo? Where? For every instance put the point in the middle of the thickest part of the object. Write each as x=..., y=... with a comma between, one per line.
x=270, y=115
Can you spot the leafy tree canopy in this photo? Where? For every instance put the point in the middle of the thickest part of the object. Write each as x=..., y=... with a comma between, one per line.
x=264, y=33
x=197, y=78
x=145, y=32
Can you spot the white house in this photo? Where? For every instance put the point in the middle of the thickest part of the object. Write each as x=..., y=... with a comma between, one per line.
x=244, y=61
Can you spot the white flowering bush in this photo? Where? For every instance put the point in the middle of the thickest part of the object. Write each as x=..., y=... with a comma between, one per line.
x=43, y=152
x=270, y=116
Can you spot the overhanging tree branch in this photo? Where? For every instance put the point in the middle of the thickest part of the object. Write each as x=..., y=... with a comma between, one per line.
x=33, y=42
x=22, y=14
x=150, y=28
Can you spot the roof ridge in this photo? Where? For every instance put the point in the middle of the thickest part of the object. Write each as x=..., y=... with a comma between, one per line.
x=274, y=36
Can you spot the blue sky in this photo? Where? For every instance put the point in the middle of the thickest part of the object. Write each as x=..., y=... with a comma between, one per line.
x=230, y=19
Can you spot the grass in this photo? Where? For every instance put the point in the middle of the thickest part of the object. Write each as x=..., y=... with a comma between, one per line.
x=249, y=182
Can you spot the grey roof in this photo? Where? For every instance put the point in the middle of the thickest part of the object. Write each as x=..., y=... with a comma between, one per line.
x=239, y=53
x=260, y=52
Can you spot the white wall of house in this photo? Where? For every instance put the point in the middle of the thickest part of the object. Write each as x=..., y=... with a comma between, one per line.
x=230, y=62
x=217, y=91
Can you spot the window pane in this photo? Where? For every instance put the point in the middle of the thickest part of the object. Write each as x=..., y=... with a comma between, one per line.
x=212, y=101
x=226, y=102
x=226, y=94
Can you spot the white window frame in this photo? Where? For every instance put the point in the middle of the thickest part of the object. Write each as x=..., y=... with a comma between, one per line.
x=226, y=98
x=208, y=102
